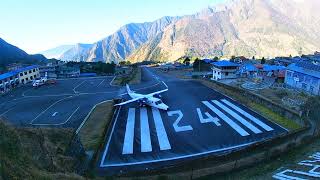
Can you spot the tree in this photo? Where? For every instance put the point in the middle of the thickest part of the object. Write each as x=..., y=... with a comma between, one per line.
x=216, y=58
x=253, y=58
x=186, y=61
x=263, y=60
x=232, y=58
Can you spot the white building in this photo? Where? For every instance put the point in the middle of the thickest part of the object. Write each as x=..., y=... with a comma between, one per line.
x=14, y=78
x=28, y=74
x=224, y=70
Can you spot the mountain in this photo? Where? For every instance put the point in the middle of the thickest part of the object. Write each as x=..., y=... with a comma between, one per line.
x=261, y=28
x=12, y=54
x=56, y=52
x=77, y=53
x=130, y=37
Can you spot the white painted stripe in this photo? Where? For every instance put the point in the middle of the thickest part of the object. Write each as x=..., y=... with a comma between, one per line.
x=237, y=117
x=129, y=134
x=226, y=119
x=255, y=120
x=161, y=131
x=145, y=131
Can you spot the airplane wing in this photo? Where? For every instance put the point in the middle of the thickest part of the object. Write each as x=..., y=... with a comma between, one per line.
x=129, y=101
x=155, y=93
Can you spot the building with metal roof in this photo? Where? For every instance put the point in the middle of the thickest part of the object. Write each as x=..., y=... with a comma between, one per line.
x=19, y=76
x=224, y=70
x=304, y=76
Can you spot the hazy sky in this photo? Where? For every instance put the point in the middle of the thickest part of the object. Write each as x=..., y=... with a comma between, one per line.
x=37, y=25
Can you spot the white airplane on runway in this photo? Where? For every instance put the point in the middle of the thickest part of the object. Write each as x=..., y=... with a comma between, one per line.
x=146, y=99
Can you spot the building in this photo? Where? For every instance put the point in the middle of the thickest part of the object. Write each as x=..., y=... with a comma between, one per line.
x=304, y=76
x=59, y=70
x=224, y=70
x=17, y=77
x=28, y=74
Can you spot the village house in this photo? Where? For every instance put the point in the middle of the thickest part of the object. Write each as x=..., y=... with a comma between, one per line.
x=224, y=70
x=304, y=76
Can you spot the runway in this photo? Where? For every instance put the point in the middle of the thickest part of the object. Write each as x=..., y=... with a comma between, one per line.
x=200, y=122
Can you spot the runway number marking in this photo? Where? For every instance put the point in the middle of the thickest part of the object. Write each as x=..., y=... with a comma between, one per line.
x=222, y=111
x=176, y=126
x=209, y=118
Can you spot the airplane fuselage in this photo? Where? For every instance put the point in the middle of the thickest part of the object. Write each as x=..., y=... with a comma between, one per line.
x=150, y=101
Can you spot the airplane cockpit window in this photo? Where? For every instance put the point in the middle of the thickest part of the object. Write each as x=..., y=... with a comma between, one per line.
x=158, y=102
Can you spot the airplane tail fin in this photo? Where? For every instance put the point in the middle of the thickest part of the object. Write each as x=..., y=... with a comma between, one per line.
x=128, y=89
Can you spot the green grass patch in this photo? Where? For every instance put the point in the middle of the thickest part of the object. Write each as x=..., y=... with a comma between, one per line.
x=275, y=117
x=36, y=153
x=92, y=133
x=133, y=78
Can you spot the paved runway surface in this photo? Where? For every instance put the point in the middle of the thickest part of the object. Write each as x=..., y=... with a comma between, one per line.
x=64, y=104
x=200, y=121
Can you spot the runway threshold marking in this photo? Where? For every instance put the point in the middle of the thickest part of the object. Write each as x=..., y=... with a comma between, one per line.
x=129, y=134
x=255, y=120
x=161, y=131
x=226, y=119
x=237, y=117
x=145, y=131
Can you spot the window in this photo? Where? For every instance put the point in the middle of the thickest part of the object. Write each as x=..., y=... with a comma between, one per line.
x=158, y=102
x=30, y=71
x=304, y=86
x=21, y=74
x=34, y=70
x=0, y=82
x=227, y=73
x=22, y=80
x=31, y=77
x=311, y=89
x=25, y=73
x=27, y=79
x=34, y=76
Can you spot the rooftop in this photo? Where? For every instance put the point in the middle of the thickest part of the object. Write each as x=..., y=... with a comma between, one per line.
x=225, y=64
x=15, y=72
x=305, y=68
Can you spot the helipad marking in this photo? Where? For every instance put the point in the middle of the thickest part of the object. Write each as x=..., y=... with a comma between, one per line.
x=257, y=121
x=237, y=117
x=226, y=119
x=129, y=134
x=161, y=131
x=145, y=131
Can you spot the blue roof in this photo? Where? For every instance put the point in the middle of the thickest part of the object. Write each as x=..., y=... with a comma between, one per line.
x=7, y=75
x=207, y=60
x=225, y=64
x=15, y=72
x=26, y=68
x=249, y=67
x=267, y=67
x=305, y=68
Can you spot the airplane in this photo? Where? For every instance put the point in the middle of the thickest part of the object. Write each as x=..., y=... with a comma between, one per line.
x=42, y=81
x=151, y=99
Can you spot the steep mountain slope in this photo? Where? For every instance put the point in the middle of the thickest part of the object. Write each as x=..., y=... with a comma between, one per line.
x=241, y=27
x=121, y=44
x=78, y=52
x=12, y=54
x=56, y=52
